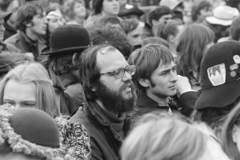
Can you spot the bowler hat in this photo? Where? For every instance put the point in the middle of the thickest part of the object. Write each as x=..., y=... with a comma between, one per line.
x=220, y=74
x=68, y=38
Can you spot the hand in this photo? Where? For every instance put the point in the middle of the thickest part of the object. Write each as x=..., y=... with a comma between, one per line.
x=29, y=56
x=183, y=85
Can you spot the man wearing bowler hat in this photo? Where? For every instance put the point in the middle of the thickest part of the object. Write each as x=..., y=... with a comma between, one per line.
x=65, y=42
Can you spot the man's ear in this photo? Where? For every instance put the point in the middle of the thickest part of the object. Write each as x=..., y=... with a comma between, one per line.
x=234, y=133
x=171, y=39
x=94, y=87
x=144, y=82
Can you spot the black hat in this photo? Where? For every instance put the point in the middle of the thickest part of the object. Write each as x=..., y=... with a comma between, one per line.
x=126, y=10
x=68, y=38
x=220, y=76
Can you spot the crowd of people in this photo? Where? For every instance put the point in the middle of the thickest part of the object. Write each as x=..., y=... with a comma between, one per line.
x=109, y=80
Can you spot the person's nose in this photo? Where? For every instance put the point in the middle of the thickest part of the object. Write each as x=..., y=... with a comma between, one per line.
x=174, y=78
x=127, y=76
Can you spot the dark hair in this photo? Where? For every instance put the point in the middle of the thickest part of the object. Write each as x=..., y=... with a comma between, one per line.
x=26, y=13
x=111, y=36
x=230, y=147
x=109, y=20
x=89, y=72
x=214, y=117
x=235, y=29
x=97, y=6
x=4, y=4
x=168, y=28
x=154, y=40
x=158, y=13
x=146, y=60
x=129, y=25
x=198, y=6
x=60, y=64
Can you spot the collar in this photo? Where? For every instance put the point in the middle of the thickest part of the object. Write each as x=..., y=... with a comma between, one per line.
x=145, y=101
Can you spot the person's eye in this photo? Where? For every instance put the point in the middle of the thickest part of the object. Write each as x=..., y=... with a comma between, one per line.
x=118, y=72
x=28, y=104
x=11, y=103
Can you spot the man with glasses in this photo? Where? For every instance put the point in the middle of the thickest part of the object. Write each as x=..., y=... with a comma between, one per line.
x=107, y=82
x=157, y=82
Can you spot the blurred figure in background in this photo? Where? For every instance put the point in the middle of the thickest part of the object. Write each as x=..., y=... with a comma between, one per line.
x=171, y=31
x=12, y=7
x=102, y=8
x=76, y=12
x=192, y=47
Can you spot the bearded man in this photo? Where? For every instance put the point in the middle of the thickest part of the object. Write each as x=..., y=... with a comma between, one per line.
x=107, y=81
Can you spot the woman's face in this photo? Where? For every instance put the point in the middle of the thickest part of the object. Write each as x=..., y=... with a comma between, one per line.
x=54, y=23
x=20, y=94
x=110, y=7
x=79, y=9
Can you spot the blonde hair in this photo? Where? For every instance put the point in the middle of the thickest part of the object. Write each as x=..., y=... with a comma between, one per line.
x=32, y=72
x=161, y=136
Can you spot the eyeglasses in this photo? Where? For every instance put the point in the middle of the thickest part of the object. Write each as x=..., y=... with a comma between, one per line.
x=119, y=73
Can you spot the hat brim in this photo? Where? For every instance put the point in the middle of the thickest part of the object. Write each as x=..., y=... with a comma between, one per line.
x=214, y=20
x=66, y=50
x=219, y=96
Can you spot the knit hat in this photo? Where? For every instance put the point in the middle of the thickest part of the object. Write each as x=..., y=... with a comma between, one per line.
x=31, y=132
x=220, y=73
x=223, y=15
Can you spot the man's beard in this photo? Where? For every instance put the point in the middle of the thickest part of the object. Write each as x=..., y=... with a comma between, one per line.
x=114, y=101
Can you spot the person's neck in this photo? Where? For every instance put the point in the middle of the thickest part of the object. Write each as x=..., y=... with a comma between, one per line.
x=155, y=31
x=79, y=20
x=99, y=102
x=31, y=35
x=67, y=79
x=104, y=14
x=173, y=50
x=162, y=101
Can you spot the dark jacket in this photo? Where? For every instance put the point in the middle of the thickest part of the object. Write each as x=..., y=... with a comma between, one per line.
x=9, y=31
x=22, y=42
x=68, y=98
x=184, y=104
x=105, y=140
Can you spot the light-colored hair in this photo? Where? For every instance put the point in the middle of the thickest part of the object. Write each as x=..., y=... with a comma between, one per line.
x=230, y=147
x=32, y=72
x=162, y=136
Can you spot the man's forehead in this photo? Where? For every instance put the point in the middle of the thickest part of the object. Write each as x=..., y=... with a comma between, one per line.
x=110, y=58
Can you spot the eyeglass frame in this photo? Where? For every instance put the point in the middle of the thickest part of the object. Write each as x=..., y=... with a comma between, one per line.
x=113, y=73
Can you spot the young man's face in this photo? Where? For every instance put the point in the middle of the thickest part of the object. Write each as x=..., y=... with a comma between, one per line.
x=135, y=37
x=163, y=80
x=38, y=25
